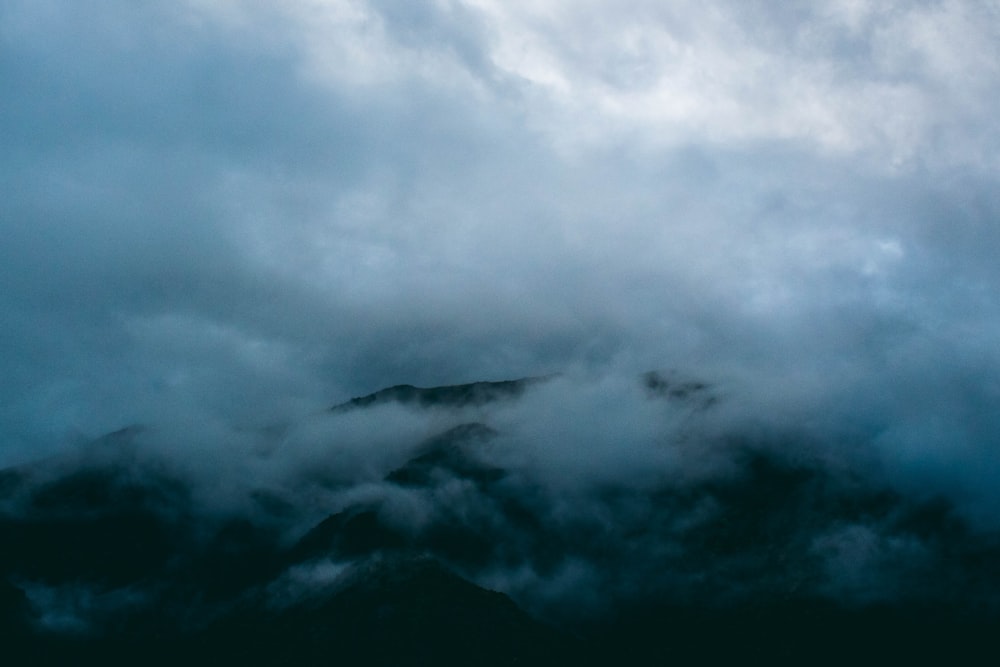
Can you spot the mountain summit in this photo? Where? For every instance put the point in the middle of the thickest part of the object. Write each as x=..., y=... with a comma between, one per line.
x=559, y=521
x=455, y=396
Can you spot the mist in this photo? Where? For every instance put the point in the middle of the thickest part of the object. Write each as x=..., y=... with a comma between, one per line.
x=739, y=249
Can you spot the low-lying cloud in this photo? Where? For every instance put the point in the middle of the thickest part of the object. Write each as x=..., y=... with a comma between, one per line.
x=581, y=496
x=220, y=220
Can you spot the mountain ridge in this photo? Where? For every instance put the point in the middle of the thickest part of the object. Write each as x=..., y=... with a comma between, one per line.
x=451, y=546
x=458, y=395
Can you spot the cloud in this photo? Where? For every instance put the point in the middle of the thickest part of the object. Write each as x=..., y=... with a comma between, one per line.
x=587, y=497
x=709, y=70
x=223, y=216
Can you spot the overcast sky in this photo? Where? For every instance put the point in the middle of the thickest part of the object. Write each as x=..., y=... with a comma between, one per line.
x=251, y=210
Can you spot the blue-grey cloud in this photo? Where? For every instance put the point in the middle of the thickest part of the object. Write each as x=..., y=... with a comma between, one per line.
x=238, y=215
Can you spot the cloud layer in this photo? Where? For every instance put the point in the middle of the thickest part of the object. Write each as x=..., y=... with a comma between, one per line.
x=229, y=216
x=610, y=507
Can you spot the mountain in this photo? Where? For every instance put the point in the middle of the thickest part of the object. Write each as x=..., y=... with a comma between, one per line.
x=391, y=611
x=481, y=537
x=453, y=396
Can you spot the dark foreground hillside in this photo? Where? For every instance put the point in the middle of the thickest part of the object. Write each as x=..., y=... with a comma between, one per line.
x=456, y=552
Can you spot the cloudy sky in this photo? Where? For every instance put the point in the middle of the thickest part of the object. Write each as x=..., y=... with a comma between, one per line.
x=246, y=211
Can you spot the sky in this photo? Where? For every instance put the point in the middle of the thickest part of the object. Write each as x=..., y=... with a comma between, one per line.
x=240, y=213
x=219, y=218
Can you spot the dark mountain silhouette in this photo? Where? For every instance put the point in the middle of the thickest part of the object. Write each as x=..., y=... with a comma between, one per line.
x=392, y=611
x=350, y=533
x=449, y=453
x=779, y=558
x=462, y=395
x=14, y=610
x=674, y=388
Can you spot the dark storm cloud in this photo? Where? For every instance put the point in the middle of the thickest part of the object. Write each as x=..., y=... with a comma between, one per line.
x=218, y=216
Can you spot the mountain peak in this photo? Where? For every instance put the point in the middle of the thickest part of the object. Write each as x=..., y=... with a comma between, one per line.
x=451, y=396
